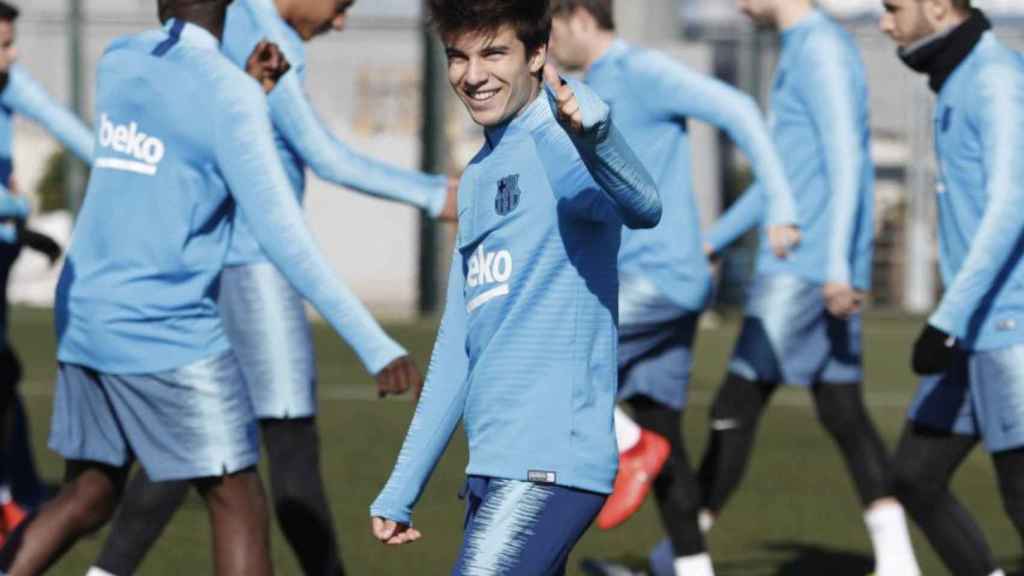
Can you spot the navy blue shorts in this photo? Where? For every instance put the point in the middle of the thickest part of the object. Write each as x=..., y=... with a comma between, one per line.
x=788, y=336
x=522, y=528
x=982, y=395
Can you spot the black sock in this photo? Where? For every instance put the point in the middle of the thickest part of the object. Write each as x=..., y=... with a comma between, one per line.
x=676, y=489
x=26, y=486
x=841, y=410
x=923, y=467
x=1010, y=470
x=734, y=419
x=145, y=510
x=298, y=495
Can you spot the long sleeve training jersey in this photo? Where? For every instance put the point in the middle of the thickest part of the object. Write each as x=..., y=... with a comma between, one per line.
x=184, y=137
x=663, y=271
x=820, y=125
x=979, y=140
x=526, y=353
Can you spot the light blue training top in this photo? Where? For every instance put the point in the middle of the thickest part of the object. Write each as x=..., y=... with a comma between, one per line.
x=979, y=139
x=663, y=271
x=526, y=353
x=185, y=139
x=820, y=125
x=303, y=140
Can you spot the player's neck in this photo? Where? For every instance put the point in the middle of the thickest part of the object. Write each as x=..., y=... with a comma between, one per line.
x=789, y=14
x=599, y=46
x=208, y=16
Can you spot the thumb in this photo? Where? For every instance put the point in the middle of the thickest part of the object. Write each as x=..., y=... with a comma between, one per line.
x=384, y=529
x=551, y=78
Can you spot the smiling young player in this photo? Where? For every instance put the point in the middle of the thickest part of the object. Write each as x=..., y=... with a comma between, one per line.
x=525, y=356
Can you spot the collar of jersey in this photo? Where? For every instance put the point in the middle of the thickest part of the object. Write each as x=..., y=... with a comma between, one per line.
x=196, y=36
x=532, y=116
x=617, y=50
x=808, y=21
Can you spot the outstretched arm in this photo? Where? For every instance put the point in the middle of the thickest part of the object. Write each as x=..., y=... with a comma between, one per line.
x=257, y=180
x=334, y=161
x=23, y=95
x=438, y=413
x=683, y=93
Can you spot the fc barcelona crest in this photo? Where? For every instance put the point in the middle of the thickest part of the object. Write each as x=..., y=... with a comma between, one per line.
x=508, y=195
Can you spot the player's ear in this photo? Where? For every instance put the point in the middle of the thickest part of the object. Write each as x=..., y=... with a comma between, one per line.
x=537, y=59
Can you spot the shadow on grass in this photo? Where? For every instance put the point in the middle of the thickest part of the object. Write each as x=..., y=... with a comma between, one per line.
x=773, y=559
x=798, y=559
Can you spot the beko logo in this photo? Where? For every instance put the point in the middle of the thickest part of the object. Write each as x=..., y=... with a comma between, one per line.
x=144, y=150
x=487, y=268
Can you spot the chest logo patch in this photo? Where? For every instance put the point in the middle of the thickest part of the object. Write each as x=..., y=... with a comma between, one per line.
x=508, y=195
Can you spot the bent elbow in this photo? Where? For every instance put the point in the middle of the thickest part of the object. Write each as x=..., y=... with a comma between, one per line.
x=647, y=217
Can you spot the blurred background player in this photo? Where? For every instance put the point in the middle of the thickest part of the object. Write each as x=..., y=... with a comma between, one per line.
x=21, y=95
x=265, y=317
x=146, y=369
x=802, y=323
x=665, y=279
x=542, y=208
x=971, y=352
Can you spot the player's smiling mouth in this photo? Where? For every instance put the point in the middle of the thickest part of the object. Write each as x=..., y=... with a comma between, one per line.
x=477, y=96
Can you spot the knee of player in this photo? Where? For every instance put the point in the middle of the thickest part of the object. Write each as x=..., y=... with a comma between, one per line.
x=912, y=483
x=737, y=405
x=88, y=505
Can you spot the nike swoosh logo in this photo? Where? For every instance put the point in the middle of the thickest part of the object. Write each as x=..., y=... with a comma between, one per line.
x=724, y=424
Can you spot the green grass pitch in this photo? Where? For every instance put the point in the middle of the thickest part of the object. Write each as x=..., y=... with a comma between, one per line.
x=796, y=513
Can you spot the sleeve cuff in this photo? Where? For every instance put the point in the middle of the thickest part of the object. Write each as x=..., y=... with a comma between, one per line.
x=394, y=513
x=438, y=197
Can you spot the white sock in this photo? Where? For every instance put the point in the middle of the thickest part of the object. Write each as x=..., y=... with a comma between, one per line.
x=894, y=552
x=699, y=565
x=706, y=521
x=998, y=573
x=627, y=432
x=94, y=571
x=5, y=494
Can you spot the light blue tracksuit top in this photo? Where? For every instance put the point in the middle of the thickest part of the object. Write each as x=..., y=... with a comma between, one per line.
x=663, y=272
x=184, y=136
x=526, y=353
x=979, y=141
x=302, y=137
x=820, y=124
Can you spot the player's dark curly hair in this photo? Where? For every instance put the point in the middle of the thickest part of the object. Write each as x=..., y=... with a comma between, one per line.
x=531, y=19
x=8, y=12
x=603, y=11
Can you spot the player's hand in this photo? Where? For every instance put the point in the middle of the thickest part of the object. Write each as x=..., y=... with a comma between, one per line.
x=12, y=186
x=398, y=377
x=842, y=300
x=450, y=212
x=267, y=64
x=710, y=254
x=934, y=351
x=567, y=107
x=783, y=239
x=393, y=533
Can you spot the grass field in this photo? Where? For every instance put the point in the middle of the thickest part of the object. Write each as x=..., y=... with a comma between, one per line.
x=795, y=515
